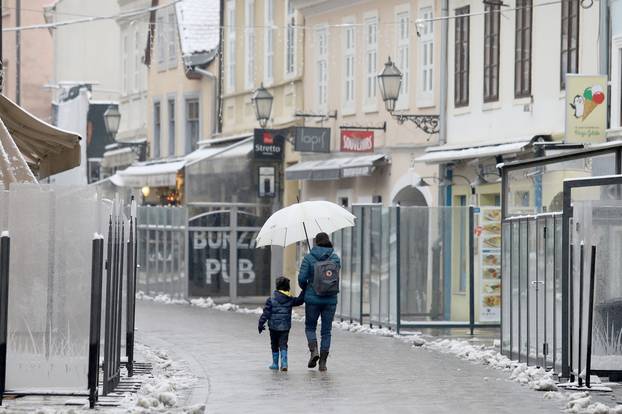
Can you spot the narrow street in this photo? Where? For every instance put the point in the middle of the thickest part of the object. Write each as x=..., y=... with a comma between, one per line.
x=367, y=374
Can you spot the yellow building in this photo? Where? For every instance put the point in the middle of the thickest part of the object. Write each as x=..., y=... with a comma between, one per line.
x=261, y=45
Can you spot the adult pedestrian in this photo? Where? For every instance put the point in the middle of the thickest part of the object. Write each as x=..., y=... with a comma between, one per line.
x=319, y=304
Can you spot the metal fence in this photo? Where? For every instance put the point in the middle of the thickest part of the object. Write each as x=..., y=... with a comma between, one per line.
x=162, y=239
x=407, y=267
x=531, y=280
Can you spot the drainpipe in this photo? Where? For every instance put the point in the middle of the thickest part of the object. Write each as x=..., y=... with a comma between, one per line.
x=604, y=46
x=444, y=191
x=216, y=104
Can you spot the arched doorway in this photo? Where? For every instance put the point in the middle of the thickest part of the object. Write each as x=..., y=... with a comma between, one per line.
x=410, y=196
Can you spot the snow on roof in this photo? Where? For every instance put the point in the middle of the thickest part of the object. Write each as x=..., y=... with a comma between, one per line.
x=198, y=22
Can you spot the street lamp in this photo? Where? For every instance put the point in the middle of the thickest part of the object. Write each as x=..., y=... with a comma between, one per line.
x=112, y=119
x=263, y=105
x=390, y=82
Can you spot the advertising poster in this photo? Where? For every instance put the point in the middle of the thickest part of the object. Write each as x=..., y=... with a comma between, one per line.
x=357, y=141
x=586, y=108
x=489, y=232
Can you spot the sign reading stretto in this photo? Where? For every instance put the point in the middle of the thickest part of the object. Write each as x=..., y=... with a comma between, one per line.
x=269, y=144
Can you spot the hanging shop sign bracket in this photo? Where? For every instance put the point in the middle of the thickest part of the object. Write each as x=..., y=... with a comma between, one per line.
x=323, y=117
x=430, y=124
x=366, y=128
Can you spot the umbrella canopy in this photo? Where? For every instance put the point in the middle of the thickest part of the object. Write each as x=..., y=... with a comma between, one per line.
x=302, y=221
x=13, y=166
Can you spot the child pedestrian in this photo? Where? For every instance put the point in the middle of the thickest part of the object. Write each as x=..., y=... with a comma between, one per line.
x=278, y=313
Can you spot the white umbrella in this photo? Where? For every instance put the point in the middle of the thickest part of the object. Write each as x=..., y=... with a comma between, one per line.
x=302, y=221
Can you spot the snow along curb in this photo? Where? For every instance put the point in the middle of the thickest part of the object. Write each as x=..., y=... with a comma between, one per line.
x=535, y=378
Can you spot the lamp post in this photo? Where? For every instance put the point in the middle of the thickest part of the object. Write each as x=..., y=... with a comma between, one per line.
x=263, y=105
x=390, y=82
x=112, y=119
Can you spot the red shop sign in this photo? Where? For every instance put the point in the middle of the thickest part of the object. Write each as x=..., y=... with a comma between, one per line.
x=357, y=141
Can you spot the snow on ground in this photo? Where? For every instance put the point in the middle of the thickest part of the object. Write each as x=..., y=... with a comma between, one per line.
x=163, y=389
x=535, y=378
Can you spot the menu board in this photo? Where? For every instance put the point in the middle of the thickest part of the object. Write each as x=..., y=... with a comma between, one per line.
x=489, y=232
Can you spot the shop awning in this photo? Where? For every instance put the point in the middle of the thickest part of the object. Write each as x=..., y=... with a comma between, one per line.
x=162, y=174
x=44, y=146
x=119, y=157
x=335, y=168
x=446, y=153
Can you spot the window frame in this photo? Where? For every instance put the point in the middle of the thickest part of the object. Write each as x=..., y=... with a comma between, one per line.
x=425, y=83
x=171, y=124
x=138, y=63
x=171, y=44
x=403, y=44
x=567, y=65
x=462, y=47
x=249, y=44
x=321, y=98
x=188, y=144
x=268, y=77
x=161, y=41
x=523, y=32
x=492, y=35
x=230, y=45
x=289, y=43
x=370, y=96
x=157, y=128
x=349, y=71
x=125, y=62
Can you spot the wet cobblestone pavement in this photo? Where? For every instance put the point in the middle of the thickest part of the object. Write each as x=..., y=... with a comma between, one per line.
x=367, y=374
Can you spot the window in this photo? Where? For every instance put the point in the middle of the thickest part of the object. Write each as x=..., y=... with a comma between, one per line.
x=230, y=53
x=125, y=64
x=290, y=43
x=522, y=49
x=156, y=130
x=348, y=67
x=521, y=199
x=161, y=41
x=138, y=63
x=426, y=54
x=403, y=56
x=461, y=64
x=171, y=126
x=371, y=61
x=492, y=20
x=269, y=43
x=570, y=39
x=249, y=43
x=192, y=124
x=171, y=38
x=321, y=45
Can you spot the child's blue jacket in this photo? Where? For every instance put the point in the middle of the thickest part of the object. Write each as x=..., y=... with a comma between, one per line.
x=278, y=310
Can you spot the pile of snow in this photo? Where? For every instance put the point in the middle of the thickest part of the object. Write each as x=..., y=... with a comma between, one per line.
x=161, y=298
x=160, y=391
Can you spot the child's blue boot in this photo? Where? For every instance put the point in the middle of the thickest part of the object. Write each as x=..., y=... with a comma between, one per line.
x=275, y=361
x=283, y=359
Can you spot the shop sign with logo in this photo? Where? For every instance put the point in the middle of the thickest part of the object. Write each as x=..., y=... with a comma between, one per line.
x=586, y=108
x=269, y=144
x=312, y=139
x=357, y=141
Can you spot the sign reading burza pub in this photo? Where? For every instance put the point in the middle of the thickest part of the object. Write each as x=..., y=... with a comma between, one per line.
x=269, y=144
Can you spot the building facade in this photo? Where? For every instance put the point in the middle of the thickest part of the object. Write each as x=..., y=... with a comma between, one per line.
x=27, y=73
x=506, y=89
x=182, y=108
x=371, y=155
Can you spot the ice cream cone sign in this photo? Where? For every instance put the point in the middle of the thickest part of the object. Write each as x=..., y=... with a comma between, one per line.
x=585, y=108
x=584, y=105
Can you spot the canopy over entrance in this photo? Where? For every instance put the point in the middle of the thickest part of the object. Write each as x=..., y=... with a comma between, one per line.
x=47, y=149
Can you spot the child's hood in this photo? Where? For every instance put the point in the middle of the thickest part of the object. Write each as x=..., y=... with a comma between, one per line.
x=281, y=297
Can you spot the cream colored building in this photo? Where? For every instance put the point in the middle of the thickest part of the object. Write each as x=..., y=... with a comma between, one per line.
x=263, y=46
x=182, y=83
x=346, y=46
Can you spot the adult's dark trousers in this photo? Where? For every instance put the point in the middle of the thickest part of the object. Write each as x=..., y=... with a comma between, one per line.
x=312, y=314
x=278, y=340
